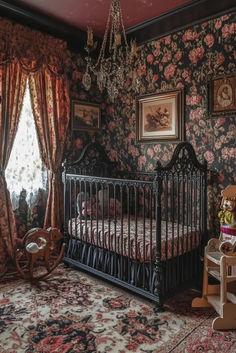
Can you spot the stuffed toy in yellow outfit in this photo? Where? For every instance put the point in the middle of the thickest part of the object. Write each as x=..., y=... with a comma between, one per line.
x=228, y=205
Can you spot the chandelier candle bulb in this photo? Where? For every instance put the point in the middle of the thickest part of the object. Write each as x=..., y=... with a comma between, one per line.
x=90, y=37
x=133, y=48
x=118, y=39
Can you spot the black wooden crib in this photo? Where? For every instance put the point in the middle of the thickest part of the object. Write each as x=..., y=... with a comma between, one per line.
x=144, y=231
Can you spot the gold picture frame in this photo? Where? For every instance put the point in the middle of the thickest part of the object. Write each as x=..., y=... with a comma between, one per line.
x=222, y=95
x=160, y=117
x=86, y=116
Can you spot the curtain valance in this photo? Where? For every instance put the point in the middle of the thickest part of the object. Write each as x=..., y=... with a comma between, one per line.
x=32, y=48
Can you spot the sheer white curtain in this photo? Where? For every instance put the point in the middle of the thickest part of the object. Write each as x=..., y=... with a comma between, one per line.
x=25, y=174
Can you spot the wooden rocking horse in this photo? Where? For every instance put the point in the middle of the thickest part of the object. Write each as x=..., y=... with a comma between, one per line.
x=39, y=248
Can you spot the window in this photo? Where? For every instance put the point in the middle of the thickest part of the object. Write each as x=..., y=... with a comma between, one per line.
x=26, y=175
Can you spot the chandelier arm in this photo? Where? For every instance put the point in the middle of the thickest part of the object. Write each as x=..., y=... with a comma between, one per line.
x=114, y=59
x=123, y=29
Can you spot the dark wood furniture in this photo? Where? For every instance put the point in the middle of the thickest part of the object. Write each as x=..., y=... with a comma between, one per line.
x=144, y=231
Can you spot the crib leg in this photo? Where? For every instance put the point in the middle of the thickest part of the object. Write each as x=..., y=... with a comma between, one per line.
x=159, y=308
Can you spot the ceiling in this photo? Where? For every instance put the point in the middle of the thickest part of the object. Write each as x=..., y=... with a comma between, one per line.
x=144, y=20
x=94, y=13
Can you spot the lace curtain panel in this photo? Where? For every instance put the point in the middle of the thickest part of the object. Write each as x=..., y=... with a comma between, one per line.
x=26, y=175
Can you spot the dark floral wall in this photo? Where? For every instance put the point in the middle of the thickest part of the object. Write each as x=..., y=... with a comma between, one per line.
x=187, y=59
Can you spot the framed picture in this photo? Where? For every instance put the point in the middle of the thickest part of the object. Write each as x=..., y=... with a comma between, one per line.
x=160, y=117
x=222, y=95
x=86, y=116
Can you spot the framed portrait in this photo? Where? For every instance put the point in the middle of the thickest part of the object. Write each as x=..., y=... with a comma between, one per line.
x=222, y=95
x=86, y=116
x=160, y=117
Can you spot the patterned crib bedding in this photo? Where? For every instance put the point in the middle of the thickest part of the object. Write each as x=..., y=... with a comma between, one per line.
x=138, y=240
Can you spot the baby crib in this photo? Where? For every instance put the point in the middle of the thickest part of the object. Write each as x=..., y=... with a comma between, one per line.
x=144, y=231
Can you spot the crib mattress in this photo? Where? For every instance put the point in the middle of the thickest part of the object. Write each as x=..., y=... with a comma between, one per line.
x=135, y=240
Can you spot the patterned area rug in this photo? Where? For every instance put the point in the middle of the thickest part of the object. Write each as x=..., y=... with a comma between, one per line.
x=74, y=312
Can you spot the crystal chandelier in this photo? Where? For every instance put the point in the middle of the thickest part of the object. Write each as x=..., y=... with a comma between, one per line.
x=114, y=60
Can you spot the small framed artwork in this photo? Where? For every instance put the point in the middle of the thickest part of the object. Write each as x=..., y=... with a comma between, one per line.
x=222, y=95
x=160, y=117
x=86, y=116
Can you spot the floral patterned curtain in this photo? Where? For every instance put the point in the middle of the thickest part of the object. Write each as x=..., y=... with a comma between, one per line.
x=24, y=51
x=50, y=101
x=12, y=88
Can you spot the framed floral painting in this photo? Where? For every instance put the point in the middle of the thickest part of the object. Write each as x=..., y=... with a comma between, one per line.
x=160, y=117
x=86, y=116
x=222, y=95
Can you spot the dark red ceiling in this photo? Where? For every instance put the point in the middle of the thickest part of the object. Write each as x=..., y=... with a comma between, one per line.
x=94, y=13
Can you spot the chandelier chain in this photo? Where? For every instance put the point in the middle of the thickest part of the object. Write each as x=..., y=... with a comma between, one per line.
x=115, y=60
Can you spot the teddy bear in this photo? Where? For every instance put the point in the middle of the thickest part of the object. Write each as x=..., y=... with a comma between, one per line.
x=228, y=213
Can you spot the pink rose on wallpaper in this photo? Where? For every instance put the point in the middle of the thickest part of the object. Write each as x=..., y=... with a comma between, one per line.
x=166, y=57
x=156, y=52
x=224, y=153
x=111, y=126
x=78, y=143
x=209, y=157
x=155, y=78
x=220, y=121
x=196, y=54
x=204, y=25
x=202, y=123
x=196, y=114
x=150, y=59
x=223, y=139
x=167, y=40
x=209, y=40
x=157, y=148
x=169, y=71
x=196, y=128
x=187, y=75
x=158, y=45
x=220, y=60
x=228, y=153
x=178, y=55
x=218, y=23
x=113, y=155
x=130, y=138
x=180, y=85
x=133, y=151
x=221, y=177
x=143, y=70
x=224, y=17
x=193, y=100
x=218, y=145
x=150, y=152
x=141, y=161
x=189, y=35
x=166, y=157
x=228, y=30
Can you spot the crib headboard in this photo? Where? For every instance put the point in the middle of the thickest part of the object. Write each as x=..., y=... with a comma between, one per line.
x=184, y=159
x=92, y=161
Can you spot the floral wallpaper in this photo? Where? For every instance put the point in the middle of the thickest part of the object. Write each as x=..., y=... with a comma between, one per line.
x=187, y=59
